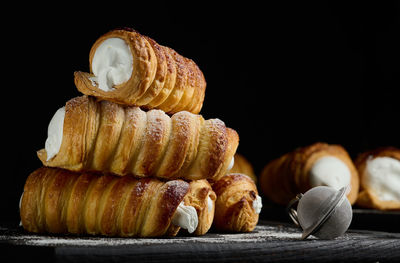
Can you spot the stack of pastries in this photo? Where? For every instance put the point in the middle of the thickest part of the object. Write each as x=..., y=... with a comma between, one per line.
x=373, y=177
x=132, y=157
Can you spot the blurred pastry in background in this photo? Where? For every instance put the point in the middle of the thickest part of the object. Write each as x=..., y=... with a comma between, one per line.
x=379, y=171
x=243, y=166
x=306, y=167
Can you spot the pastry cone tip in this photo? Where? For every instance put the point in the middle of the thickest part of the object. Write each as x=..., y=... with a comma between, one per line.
x=132, y=69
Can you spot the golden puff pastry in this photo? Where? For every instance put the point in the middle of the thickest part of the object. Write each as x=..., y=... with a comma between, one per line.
x=60, y=201
x=202, y=198
x=131, y=69
x=238, y=204
x=107, y=137
x=379, y=172
x=298, y=171
x=243, y=166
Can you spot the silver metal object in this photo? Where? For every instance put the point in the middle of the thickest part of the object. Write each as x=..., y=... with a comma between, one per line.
x=322, y=212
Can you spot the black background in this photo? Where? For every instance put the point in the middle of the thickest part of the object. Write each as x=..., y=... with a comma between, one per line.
x=283, y=75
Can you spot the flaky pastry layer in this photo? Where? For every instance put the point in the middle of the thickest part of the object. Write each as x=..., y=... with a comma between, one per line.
x=234, y=211
x=161, y=78
x=107, y=137
x=60, y=201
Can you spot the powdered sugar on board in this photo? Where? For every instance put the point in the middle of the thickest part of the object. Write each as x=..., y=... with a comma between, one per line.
x=262, y=233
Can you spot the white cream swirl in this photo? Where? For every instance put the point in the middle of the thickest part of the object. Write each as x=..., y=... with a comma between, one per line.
x=112, y=64
x=382, y=175
x=55, y=133
x=257, y=204
x=231, y=164
x=186, y=217
x=330, y=171
x=210, y=204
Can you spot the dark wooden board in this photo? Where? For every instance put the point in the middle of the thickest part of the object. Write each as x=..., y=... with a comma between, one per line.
x=269, y=242
x=363, y=219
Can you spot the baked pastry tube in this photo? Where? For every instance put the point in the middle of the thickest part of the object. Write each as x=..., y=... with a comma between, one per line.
x=238, y=204
x=131, y=69
x=298, y=171
x=243, y=166
x=87, y=135
x=379, y=172
x=202, y=198
x=60, y=201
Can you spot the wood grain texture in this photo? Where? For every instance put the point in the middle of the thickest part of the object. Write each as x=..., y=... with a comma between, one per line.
x=270, y=242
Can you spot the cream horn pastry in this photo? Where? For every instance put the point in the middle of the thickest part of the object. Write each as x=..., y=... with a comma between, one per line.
x=91, y=135
x=238, y=204
x=306, y=167
x=379, y=171
x=60, y=201
x=131, y=69
x=202, y=198
x=243, y=166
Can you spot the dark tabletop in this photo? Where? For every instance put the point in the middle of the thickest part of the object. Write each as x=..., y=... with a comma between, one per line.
x=270, y=242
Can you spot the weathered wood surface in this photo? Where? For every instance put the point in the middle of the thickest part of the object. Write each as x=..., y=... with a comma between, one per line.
x=268, y=243
x=365, y=219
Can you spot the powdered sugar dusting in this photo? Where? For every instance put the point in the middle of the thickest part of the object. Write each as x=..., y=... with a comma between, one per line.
x=262, y=233
x=155, y=123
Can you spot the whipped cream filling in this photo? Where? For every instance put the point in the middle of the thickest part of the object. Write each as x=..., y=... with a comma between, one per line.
x=232, y=163
x=112, y=64
x=257, y=204
x=19, y=205
x=210, y=204
x=55, y=133
x=186, y=217
x=382, y=176
x=20, y=200
x=330, y=171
